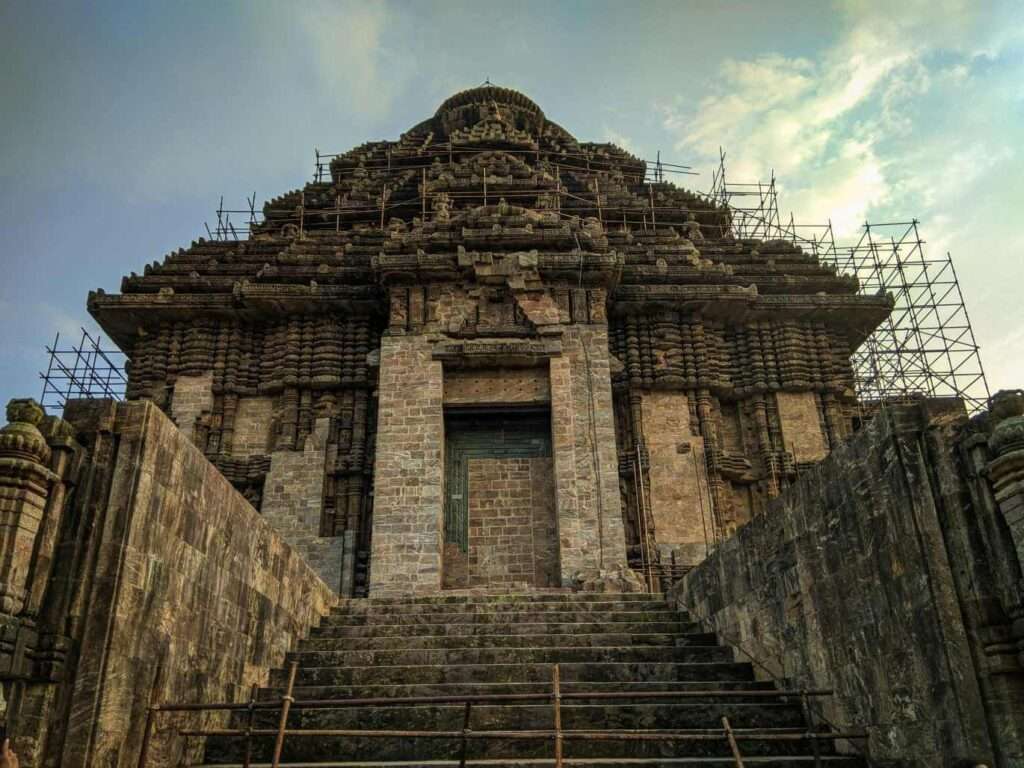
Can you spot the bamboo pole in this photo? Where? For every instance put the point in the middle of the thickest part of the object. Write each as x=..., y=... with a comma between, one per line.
x=732, y=742
x=286, y=703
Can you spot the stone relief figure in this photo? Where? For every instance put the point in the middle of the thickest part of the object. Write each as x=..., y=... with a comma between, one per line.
x=693, y=228
x=442, y=207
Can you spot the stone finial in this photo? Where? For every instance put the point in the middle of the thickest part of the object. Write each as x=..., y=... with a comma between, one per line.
x=25, y=481
x=1006, y=411
x=25, y=411
x=21, y=438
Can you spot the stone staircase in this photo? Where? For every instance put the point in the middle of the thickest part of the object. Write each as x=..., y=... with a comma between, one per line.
x=325, y=554
x=490, y=644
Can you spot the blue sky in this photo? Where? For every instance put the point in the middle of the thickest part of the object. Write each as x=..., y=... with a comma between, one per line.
x=122, y=124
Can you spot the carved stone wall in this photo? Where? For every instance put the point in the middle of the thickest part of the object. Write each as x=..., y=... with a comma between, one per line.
x=502, y=240
x=888, y=576
x=149, y=579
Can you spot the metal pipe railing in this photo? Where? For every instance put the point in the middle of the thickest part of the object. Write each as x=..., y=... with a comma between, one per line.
x=558, y=735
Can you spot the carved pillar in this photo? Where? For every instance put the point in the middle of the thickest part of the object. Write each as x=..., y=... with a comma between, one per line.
x=25, y=479
x=1006, y=472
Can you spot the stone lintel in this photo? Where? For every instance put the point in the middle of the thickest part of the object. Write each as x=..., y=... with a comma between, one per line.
x=501, y=352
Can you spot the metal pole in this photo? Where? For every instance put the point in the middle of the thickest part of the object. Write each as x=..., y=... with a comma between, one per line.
x=247, y=758
x=147, y=736
x=556, y=688
x=465, y=735
x=286, y=703
x=732, y=742
x=643, y=515
x=811, y=728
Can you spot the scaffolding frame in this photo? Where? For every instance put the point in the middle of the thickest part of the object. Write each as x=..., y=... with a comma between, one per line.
x=82, y=370
x=926, y=347
x=225, y=229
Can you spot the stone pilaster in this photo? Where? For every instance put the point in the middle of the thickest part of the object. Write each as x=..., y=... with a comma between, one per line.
x=25, y=480
x=1006, y=473
x=588, y=505
x=409, y=471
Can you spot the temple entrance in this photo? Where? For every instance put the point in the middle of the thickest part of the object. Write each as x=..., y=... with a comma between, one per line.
x=500, y=528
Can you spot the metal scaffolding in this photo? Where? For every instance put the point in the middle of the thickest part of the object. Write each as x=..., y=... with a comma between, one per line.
x=226, y=229
x=926, y=347
x=83, y=370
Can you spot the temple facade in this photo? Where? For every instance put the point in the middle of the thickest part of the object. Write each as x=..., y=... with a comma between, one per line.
x=425, y=431
x=488, y=354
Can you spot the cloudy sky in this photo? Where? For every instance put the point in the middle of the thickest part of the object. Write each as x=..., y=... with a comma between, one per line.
x=122, y=126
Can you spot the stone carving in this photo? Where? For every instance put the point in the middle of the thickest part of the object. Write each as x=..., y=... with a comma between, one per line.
x=489, y=222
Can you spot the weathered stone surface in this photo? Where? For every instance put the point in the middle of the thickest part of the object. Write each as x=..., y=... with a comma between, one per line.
x=800, y=419
x=409, y=471
x=511, y=524
x=602, y=643
x=680, y=514
x=293, y=495
x=864, y=578
x=497, y=386
x=586, y=469
x=254, y=421
x=193, y=596
x=192, y=398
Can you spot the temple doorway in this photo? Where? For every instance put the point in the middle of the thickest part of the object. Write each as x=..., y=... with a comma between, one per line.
x=500, y=528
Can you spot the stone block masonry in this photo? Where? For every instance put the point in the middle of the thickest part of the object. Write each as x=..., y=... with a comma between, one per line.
x=187, y=595
x=293, y=503
x=802, y=432
x=876, y=575
x=192, y=397
x=591, y=535
x=253, y=426
x=678, y=482
x=409, y=470
x=512, y=531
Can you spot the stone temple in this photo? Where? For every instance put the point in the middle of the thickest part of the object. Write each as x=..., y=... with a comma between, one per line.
x=481, y=401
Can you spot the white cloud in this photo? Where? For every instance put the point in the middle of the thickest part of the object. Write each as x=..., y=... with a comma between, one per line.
x=353, y=53
x=619, y=140
x=909, y=112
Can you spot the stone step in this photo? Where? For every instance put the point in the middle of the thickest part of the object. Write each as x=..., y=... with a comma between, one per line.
x=507, y=656
x=511, y=597
x=706, y=714
x=305, y=692
x=503, y=617
x=390, y=748
x=515, y=673
x=555, y=601
x=563, y=640
x=533, y=628
x=595, y=606
x=472, y=644
x=795, y=761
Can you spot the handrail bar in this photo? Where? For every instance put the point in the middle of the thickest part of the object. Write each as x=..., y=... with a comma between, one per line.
x=384, y=701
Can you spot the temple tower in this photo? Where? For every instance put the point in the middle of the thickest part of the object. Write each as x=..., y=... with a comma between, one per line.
x=489, y=355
